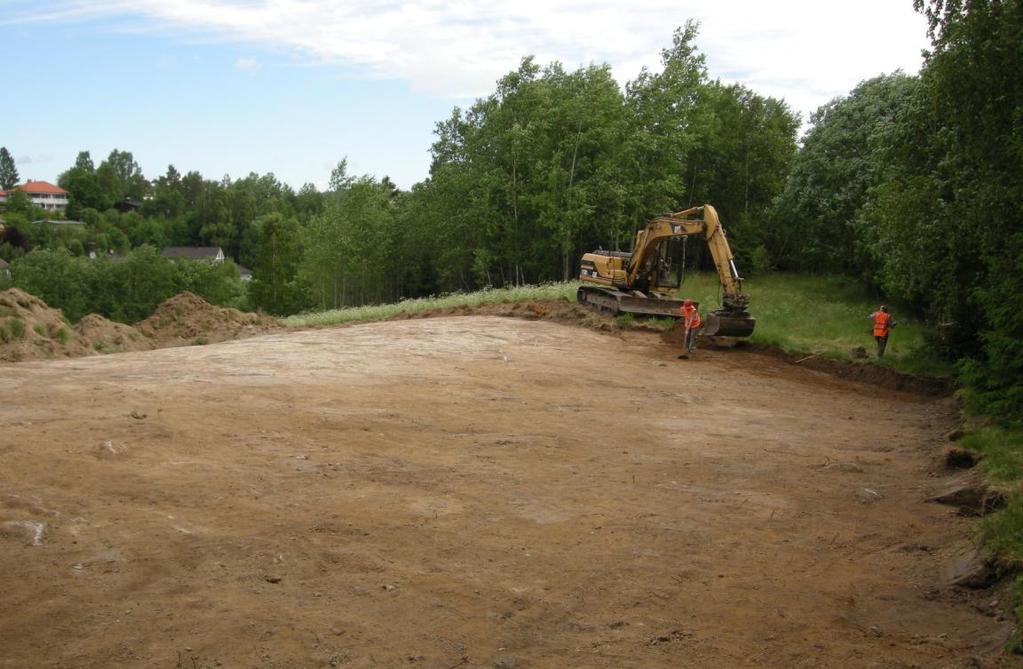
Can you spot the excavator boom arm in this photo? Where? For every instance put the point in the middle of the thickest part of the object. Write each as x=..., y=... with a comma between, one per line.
x=702, y=221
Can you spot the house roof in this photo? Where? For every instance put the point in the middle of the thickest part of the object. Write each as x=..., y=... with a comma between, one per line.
x=59, y=222
x=31, y=187
x=3, y=264
x=192, y=252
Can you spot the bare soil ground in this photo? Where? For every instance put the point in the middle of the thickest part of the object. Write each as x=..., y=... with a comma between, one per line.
x=473, y=491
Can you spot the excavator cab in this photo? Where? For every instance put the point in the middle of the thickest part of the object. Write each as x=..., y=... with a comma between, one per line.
x=670, y=265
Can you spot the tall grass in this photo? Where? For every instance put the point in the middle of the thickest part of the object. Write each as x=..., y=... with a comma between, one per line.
x=377, y=312
x=821, y=315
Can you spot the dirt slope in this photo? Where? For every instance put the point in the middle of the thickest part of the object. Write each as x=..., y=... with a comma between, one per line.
x=186, y=318
x=31, y=330
x=473, y=492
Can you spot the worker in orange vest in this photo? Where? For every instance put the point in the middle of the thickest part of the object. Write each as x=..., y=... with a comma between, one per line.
x=691, y=322
x=883, y=323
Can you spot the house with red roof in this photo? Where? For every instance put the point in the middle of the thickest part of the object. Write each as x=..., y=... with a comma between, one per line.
x=42, y=194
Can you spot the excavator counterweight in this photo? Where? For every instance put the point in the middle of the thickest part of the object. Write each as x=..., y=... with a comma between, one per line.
x=638, y=282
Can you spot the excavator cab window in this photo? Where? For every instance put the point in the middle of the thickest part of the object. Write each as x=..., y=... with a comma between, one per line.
x=670, y=262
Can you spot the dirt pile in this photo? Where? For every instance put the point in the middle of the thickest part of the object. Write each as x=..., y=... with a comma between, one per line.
x=107, y=336
x=29, y=329
x=186, y=318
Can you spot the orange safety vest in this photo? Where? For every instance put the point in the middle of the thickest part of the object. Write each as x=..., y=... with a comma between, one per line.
x=691, y=317
x=881, y=323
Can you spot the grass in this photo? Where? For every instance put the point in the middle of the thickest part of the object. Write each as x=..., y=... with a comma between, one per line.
x=1003, y=452
x=12, y=329
x=378, y=312
x=823, y=315
x=1002, y=531
x=799, y=314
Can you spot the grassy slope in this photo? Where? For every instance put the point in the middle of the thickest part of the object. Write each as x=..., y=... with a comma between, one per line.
x=823, y=315
x=378, y=312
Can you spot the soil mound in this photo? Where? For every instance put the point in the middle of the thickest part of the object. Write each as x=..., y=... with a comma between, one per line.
x=30, y=330
x=106, y=336
x=186, y=318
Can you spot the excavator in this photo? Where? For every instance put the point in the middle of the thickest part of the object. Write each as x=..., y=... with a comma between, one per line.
x=642, y=281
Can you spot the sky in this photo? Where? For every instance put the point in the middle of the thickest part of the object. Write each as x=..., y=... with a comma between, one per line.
x=229, y=87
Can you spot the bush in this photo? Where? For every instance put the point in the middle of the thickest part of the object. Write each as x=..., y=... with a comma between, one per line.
x=16, y=327
x=127, y=289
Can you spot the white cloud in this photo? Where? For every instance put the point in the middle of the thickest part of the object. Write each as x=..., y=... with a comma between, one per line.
x=247, y=64
x=804, y=50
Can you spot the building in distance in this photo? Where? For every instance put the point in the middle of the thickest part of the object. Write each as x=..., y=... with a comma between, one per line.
x=42, y=194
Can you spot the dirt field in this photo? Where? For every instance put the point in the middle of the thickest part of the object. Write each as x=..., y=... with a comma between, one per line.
x=473, y=492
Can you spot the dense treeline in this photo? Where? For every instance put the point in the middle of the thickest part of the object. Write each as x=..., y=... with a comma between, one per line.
x=552, y=164
x=914, y=185
x=909, y=184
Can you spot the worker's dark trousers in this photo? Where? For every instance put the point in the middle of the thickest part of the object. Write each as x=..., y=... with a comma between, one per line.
x=881, y=343
x=690, y=339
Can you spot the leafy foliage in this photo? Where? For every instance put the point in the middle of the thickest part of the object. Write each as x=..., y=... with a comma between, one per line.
x=125, y=289
x=8, y=170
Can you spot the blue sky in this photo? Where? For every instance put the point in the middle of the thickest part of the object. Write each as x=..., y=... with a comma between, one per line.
x=292, y=86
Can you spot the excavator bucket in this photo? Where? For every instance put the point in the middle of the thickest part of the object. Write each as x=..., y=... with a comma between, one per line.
x=728, y=324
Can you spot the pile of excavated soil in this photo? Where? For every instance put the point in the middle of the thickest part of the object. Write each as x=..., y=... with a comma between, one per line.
x=186, y=318
x=29, y=329
x=107, y=336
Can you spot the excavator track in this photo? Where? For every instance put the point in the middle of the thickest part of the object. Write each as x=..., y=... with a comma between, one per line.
x=614, y=302
x=720, y=323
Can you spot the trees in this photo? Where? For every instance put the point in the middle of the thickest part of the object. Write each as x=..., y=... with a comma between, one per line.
x=8, y=170
x=973, y=83
x=348, y=253
x=817, y=223
x=275, y=287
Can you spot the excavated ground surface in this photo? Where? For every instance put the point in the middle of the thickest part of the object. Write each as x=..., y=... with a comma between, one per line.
x=473, y=492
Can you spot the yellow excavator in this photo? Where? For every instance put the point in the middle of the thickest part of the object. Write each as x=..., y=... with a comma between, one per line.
x=643, y=280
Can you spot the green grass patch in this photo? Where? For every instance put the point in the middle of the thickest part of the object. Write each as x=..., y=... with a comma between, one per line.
x=40, y=330
x=63, y=335
x=625, y=320
x=1003, y=451
x=550, y=291
x=823, y=315
x=1016, y=603
x=16, y=327
x=11, y=329
x=1002, y=533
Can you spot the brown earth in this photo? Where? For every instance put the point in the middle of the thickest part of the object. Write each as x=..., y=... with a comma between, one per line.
x=188, y=319
x=31, y=330
x=107, y=336
x=475, y=492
